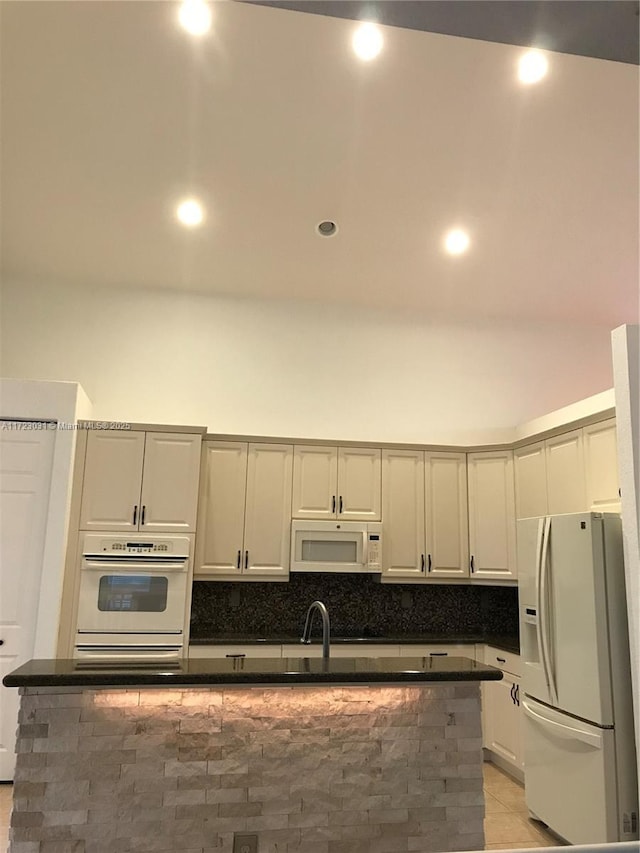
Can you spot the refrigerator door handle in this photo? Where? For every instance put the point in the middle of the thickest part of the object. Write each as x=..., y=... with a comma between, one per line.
x=543, y=615
x=563, y=731
x=539, y=600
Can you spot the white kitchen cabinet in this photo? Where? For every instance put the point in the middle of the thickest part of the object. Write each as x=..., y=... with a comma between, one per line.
x=566, y=489
x=245, y=511
x=233, y=650
x=447, y=533
x=332, y=482
x=424, y=508
x=492, y=527
x=136, y=480
x=459, y=650
x=341, y=650
x=403, y=541
x=601, y=467
x=501, y=714
x=530, y=469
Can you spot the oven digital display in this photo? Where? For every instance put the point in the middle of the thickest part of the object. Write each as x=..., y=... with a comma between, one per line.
x=132, y=593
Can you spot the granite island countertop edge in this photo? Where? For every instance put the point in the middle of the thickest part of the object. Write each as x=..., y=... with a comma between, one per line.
x=301, y=672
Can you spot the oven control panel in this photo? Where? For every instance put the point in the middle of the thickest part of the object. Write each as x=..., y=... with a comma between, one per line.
x=136, y=546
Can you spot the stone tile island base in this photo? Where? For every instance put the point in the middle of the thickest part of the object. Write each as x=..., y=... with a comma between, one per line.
x=374, y=769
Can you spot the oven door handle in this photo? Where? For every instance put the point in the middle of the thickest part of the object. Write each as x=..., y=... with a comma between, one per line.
x=148, y=652
x=129, y=567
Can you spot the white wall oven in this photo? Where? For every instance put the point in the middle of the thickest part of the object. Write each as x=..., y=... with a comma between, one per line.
x=133, y=596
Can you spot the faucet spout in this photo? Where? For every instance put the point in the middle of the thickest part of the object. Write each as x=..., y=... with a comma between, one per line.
x=326, y=628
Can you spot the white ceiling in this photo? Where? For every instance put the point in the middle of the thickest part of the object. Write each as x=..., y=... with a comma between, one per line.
x=111, y=113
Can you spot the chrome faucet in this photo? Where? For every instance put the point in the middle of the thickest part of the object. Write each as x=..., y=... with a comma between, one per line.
x=326, y=628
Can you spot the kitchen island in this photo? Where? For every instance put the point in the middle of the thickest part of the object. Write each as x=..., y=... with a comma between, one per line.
x=348, y=755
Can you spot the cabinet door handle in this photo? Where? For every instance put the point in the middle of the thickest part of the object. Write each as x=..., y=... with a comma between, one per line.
x=135, y=514
x=144, y=510
x=333, y=504
x=471, y=565
x=518, y=695
x=236, y=656
x=501, y=660
x=512, y=693
x=238, y=559
x=429, y=563
x=246, y=559
x=422, y=562
x=340, y=505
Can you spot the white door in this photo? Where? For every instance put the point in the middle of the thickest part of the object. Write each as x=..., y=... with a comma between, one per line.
x=530, y=467
x=315, y=481
x=221, y=511
x=112, y=480
x=267, y=523
x=503, y=719
x=566, y=487
x=492, y=525
x=447, y=529
x=577, y=622
x=25, y=475
x=403, y=512
x=570, y=778
x=359, y=484
x=601, y=466
x=170, y=482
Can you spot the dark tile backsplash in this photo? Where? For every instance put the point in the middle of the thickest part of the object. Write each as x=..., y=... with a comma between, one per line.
x=358, y=606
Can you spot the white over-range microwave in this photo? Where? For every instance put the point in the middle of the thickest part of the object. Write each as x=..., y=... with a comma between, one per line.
x=336, y=546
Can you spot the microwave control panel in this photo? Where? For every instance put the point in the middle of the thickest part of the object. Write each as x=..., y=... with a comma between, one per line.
x=374, y=551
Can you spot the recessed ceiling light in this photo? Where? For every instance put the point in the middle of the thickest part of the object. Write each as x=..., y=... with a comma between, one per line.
x=190, y=212
x=367, y=41
x=532, y=66
x=195, y=17
x=456, y=242
x=327, y=228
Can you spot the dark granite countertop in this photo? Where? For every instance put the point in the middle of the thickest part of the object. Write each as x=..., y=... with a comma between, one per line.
x=507, y=643
x=243, y=671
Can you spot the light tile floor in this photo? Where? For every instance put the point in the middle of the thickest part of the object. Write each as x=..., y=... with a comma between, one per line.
x=506, y=825
x=6, y=793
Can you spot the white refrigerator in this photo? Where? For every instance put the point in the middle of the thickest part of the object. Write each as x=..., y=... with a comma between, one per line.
x=579, y=753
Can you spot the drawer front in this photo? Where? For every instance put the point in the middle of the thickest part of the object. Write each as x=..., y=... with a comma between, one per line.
x=506, y=661
x=249, y=651
x=341, y=650
x=459, y=650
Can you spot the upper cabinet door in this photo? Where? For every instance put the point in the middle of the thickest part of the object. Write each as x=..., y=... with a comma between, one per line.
x=170, y=482
x=447, y=532
x=315, y=487
x=112, y=480
x=403, y=553
x=601, y=466
x=566, y=488
x=531, y=480
x=492, y=526
x=219, y=543
x=267, y=525
x=359, y=484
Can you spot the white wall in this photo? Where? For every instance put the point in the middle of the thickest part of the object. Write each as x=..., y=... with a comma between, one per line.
x=64, y=402
x=293, y=369
x=626, y=360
